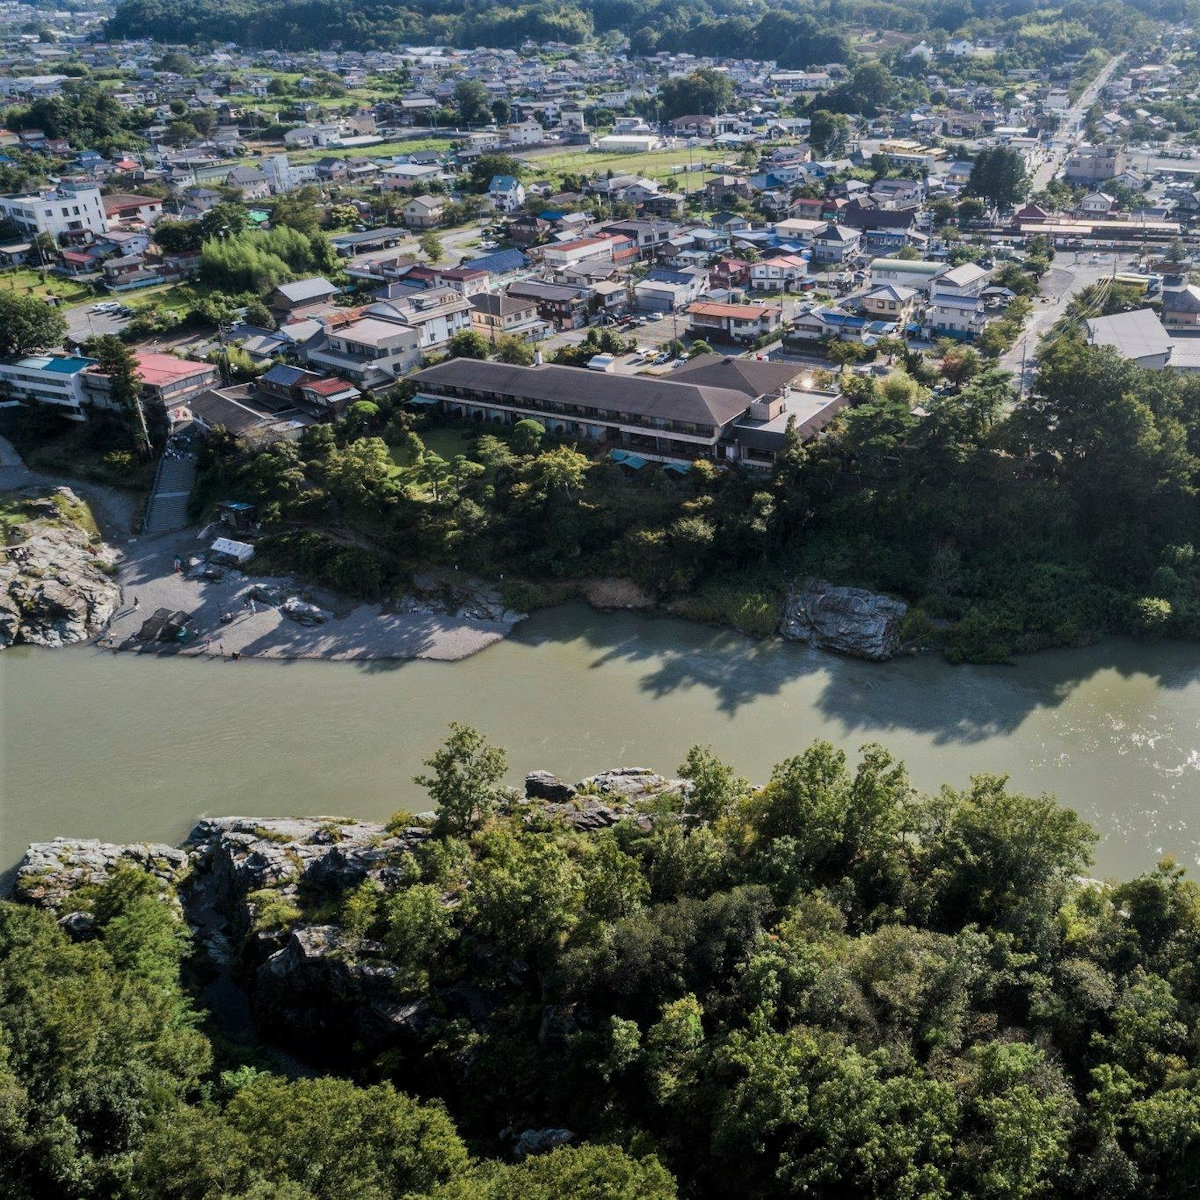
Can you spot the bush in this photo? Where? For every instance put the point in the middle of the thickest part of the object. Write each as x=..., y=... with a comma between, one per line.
x=1150, y=616
x=751, y=610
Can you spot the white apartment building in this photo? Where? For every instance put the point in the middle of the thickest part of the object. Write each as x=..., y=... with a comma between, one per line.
x=62, y=211
x=47, y=379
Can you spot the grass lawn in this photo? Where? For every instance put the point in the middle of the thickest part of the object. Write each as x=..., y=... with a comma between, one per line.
x=176, y=297
x=446, y=441
x=656, y=164
x=380, y=150
x=29, y=282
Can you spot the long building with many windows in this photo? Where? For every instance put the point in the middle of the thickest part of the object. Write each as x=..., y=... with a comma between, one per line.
x=723, y=409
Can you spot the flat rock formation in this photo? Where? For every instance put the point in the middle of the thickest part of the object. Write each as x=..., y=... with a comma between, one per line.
x=846, y=620
x=56, y=586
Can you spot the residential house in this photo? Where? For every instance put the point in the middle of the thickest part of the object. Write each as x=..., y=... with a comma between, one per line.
x=737, y=323
x=402, y=176
x=1137, y=336
x=526, y=133
x=327, y=397
x=835, y=244
x=302, y=296
x=561, y=306
x=891, y=302
x=967, y=279
x=649, y=237
x=1181, y=307
x=956, y=316
x=1096, y=204
x=496, y=315
x=371, y=351
x=281, y=382
x=527, y=230
x=127, y=207
x=779, y=273
x=506, y=194
x=425, y=212
x=436, y=313
x=665, y=290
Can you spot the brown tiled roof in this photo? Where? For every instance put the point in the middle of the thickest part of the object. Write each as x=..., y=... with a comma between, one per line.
x=687, y=402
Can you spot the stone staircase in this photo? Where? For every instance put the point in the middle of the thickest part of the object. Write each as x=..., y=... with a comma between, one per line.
x=167, y=509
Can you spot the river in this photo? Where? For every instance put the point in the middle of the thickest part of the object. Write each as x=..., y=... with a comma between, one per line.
x=135, y=749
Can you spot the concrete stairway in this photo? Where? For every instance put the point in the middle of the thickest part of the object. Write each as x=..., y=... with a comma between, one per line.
x=167, y=509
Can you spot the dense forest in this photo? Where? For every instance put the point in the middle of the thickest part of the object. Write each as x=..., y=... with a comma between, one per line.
x=1011, y=524
x=816, y=33
x=827, y=985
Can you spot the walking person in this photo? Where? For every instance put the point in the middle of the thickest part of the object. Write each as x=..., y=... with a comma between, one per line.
x=222, y=649
x=136, y=604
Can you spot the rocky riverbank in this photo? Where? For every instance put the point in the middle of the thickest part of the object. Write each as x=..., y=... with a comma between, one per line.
x=262, y=898
x=57, y=582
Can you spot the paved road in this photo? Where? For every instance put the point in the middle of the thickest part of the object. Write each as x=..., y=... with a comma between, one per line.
x=1069, y=273
x=1068, y=133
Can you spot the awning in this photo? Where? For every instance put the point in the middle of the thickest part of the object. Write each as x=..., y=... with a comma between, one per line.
x=678, y=468
x=625, y=459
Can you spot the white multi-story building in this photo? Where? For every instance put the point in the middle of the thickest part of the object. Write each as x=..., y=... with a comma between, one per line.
x=47, y=379
x=283, y=176
x=64, y=211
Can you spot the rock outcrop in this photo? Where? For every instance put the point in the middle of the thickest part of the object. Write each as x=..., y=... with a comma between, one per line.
x=55, y=581
x=51, y=872
x=846, y=620
x=263, y=896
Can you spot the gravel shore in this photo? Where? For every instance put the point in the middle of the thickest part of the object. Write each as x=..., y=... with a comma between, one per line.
x=421, y=626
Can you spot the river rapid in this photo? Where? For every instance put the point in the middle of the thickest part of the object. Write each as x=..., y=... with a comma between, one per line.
x=129, y=748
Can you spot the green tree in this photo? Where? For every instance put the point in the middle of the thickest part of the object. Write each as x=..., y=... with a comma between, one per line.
x=335, y=1139
x=468, y=343
x=829, y=132
x=224, y=220
x=431, y=246
x=706, y=91
x=119, y=365
x=527, y=436
x=716, y=789
x=472, y=102
x=464, y=780
x=998, y=175
x=516, y=350
x=603, y=1172
x=28, y=324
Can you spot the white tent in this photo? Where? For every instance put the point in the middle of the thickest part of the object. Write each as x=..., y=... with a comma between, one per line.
x=231, y=551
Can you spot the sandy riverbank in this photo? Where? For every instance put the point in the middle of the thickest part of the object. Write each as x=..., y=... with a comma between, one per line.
x=423, y=625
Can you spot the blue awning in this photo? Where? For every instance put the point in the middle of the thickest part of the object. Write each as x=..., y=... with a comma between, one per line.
x=678, y=468
x=424, y=400
x=626, y=459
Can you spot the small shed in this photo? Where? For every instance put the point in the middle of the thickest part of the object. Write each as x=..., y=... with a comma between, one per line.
x=229, y=553
x=238, y=514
